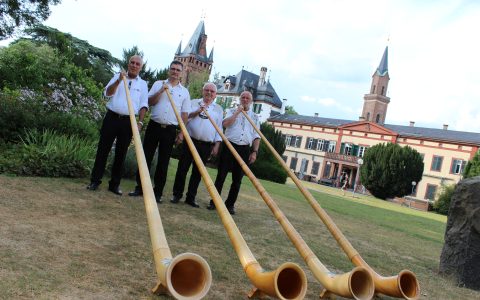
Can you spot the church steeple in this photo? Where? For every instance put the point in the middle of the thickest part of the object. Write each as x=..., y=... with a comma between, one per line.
x=376, y=103
x=194, y=57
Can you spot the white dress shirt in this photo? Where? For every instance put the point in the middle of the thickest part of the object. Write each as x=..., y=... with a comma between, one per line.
x=138, y=94
x=200, y=127
x=162, y=112
x=241, y=131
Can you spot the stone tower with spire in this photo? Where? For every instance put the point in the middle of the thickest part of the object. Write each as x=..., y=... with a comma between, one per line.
x=376, y=103
x=194, y=57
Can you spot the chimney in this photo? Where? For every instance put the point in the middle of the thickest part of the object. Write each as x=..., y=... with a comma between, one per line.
x=263, y=74
x=445, y=126
x=316, y=114
x=412, y=123
x=284, y=103
x=361, y=118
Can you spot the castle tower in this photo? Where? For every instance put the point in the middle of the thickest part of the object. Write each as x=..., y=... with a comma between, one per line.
x=194, y=57
x=376, y=103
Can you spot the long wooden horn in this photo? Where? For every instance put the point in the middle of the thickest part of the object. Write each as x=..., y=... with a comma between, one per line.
x=288, y=281
x=187, y=276
x=357, y=284
x=404, y=285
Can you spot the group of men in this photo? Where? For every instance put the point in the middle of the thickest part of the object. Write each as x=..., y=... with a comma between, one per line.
x=162, y=133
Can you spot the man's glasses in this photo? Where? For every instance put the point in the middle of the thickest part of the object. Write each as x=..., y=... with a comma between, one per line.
x=175, y=69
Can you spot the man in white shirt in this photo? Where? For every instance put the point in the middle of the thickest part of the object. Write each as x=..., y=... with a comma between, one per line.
x=206, y=141
x=116, y=123
x=162, y=129
x=245, y=140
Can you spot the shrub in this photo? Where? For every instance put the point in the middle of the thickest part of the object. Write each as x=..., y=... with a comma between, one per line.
x=20, y=110
x=442, y=205
x=269, y=170
x=49, y=154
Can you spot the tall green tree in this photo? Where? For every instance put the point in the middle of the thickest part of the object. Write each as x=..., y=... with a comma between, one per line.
x=147, y=74
x=266, y=166
x=97, y=62
x=289, y=110
x=389, y=169
x=473, y=167
x=15, y=14
x=195, y=84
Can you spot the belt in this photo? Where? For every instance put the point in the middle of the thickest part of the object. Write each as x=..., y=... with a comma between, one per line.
x=114, y=114
x=202, y=142
x=165, y=125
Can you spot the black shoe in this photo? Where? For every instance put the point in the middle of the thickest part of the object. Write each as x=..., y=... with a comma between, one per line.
x=93, y=186
x=136, y=193
x=115, y=190
x=175, y=199
x=158, y=199
x=231, y=210
x=193, y=203
x=211, y=206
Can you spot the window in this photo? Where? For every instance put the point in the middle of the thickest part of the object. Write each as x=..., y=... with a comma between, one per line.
x=326, y=171
x=437, y=163
x=348, y=149
x=228, y=102
x=373, y=89
x=383, y=90
x=361, y=151
x=298, y=142
x=377, y=119
x=257, y=108
x=331, y=146
x=315, y=167
x=311, y=143
x=457, y=166
x=293, y=163
x=431, y=191
x=288, y=138
x=321, y=145
x=304, y=166
x=368, y=116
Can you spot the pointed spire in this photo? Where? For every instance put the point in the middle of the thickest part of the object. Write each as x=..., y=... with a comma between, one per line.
x=193, y=43
x=210, y=57
x=179, y=49
x=382, y=69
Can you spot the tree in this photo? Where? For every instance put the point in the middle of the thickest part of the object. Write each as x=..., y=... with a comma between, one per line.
x=389, y=169
x=19, y=13
x=99, y=63
x=195, y=84
x=266, y=166
x=289, y=110
x=147, y=74
x=473, y=167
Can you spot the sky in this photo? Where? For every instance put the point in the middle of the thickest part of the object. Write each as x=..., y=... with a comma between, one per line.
x=320, y=54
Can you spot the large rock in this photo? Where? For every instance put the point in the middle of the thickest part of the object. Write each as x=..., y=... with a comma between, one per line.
x=461, y=252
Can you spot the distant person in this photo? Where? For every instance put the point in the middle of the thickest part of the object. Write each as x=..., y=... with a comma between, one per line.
x=245, y=140
x=116, y=123
x=345, y=183
x=161, y=131
x=206, y=141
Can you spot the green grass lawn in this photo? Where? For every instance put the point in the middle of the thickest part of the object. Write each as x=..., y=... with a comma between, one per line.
x=59, y=240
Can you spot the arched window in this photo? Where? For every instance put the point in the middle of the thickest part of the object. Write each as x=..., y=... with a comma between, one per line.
x=377, y=119
x=373, y=89
x=368, y=116
x=383, y=90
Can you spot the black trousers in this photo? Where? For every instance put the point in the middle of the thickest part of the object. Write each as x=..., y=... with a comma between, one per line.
x=204, y=149
x=163, y=137
x=227, y=163
x=117, y=127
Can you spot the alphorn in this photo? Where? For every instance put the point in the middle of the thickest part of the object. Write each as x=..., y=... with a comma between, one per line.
x=288, y=281
x=357, y=284
x=187, y=276
x=404, y=285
